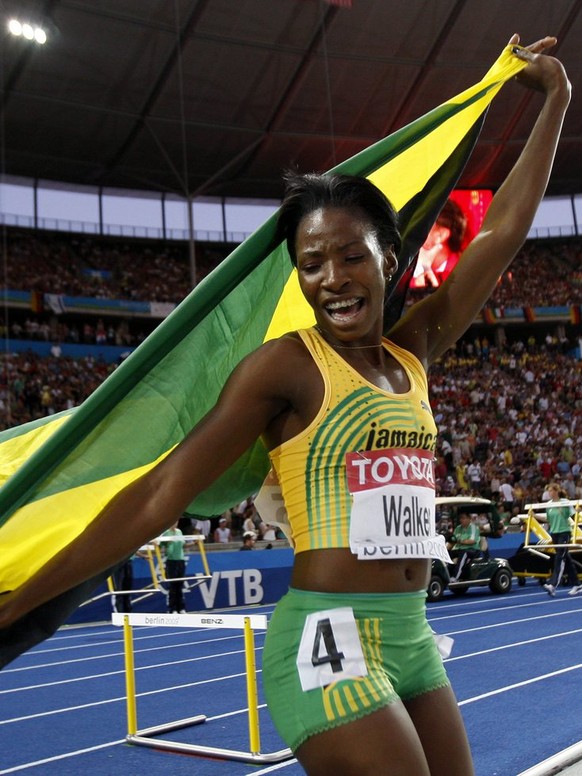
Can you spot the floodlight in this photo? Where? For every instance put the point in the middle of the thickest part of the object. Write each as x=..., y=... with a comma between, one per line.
x=27, y=30
x=15, y=27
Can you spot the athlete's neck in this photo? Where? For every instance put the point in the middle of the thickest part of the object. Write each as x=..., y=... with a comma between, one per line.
x=347, y=347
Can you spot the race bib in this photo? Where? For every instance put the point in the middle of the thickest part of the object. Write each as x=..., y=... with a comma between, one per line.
x=393, y=511
x=330, y=649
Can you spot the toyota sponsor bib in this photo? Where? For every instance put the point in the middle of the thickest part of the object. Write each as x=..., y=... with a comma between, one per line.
x=393, y=513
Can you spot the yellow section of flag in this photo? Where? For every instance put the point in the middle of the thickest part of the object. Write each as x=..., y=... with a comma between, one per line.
x=18, y=449
x=69, y=517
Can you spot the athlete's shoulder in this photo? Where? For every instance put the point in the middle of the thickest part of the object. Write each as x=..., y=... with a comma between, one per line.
x=284, y=361
x=289, y=346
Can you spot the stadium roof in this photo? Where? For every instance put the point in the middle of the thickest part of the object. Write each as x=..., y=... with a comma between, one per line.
x=217, y=97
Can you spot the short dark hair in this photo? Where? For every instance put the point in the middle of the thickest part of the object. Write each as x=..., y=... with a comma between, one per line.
x=307, y=192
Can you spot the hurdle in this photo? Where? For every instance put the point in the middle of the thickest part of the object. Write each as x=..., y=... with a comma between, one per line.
x=151, y=553
x=544, y=547
x=533, y=526
x=148, y=737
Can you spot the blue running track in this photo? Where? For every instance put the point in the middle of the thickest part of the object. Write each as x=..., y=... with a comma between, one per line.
x=516, y=668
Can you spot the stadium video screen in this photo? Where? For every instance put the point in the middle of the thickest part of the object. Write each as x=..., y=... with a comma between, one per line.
x=457, y=224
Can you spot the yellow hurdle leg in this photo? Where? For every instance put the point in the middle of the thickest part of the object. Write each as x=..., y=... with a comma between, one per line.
x=129, y=678
x=252, y=697
x=160, y=560
x=204, y=559
x=152, y=567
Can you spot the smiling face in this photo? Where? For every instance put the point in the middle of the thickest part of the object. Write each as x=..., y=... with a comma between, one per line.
x=342, y=273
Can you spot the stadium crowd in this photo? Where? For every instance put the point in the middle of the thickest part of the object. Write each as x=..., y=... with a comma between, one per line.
x=54, y=263
x=512, y=415
x=52, y=328
x=104, y=268
x=557, y=279
x=32, y=387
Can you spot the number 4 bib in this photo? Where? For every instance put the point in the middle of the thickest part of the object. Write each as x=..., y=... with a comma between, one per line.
x=330, y=649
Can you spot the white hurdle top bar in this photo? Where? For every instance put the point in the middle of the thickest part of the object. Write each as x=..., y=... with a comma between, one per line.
x=546, y=504
x=161, y=620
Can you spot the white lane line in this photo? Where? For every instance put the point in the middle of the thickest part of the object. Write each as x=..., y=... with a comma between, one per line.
x=276, y=767
x=65, y=756
x=515, y=686
x=66, y=709
x=486, y=602
x=512, y=645
x=510, y=622
x=157, y=648
x=122, y=671
x=96, y=748
x=545, y=601
x=115, y=641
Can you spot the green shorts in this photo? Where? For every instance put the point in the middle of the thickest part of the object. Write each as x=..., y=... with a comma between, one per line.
x=330, y=659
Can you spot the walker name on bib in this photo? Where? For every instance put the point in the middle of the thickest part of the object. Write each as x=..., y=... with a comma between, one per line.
x=393, y=512
x=407, y=517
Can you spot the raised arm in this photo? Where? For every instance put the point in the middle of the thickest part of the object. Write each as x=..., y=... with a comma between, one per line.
x=150, y=505
x=447, y=313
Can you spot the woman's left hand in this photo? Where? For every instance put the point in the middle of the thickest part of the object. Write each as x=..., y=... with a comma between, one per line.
x=544, y=73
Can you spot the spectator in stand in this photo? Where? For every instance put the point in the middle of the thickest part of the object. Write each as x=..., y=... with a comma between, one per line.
x=569, y=485
x=222, y=534
x=447, y=451
x=462, y=483
x=507, y=495
x=251, y=519
x=519, y=494
x=249, y=540
x=494, y=485
x=202, y=525
x=268, y=532
x=474, y=475
x=238, y=516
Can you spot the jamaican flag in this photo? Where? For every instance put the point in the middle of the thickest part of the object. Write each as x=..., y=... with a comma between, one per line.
x=57, y=474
